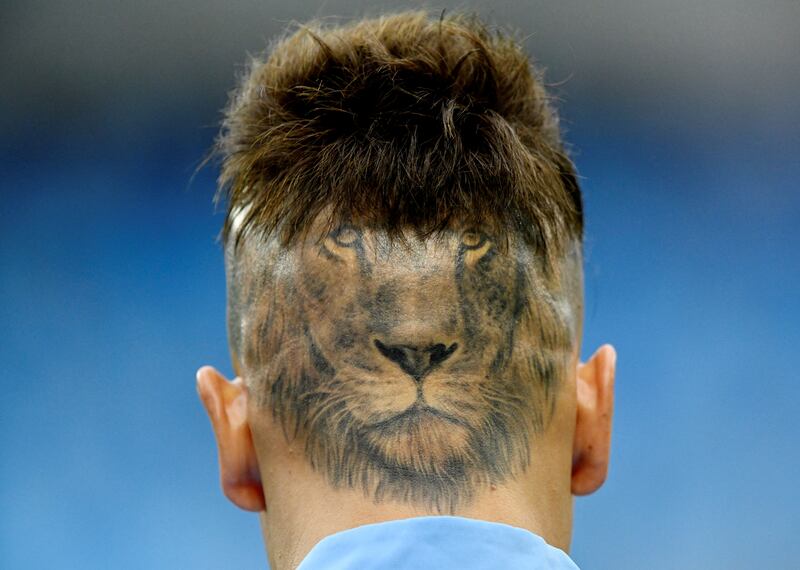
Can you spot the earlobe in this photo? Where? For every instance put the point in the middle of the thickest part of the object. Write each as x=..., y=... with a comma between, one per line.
x=595, y=407
x=226, y=405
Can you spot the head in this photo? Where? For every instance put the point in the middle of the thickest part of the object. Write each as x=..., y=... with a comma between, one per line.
x=403, y=249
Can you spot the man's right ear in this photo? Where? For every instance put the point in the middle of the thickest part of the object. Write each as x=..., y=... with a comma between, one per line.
x=226, y=404
x=595, y=408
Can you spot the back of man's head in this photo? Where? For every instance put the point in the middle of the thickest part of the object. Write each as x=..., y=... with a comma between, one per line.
x=403, y=253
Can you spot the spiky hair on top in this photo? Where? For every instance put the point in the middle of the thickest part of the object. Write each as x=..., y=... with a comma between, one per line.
x=403, y=120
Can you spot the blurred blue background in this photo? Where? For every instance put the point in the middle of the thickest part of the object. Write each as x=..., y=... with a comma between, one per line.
x=686, y=130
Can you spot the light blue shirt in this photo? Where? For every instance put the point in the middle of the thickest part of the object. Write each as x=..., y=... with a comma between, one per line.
x=439, y=542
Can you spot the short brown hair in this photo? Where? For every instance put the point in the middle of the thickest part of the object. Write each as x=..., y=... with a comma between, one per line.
x=403, y=120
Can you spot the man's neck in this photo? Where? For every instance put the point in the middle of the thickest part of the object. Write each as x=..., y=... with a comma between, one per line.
x=302, y=509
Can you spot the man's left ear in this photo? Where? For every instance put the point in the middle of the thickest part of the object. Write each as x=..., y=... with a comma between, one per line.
x=595, y=407
x=226, y=404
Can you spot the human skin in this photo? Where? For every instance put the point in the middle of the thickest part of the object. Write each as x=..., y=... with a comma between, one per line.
x=401, y=379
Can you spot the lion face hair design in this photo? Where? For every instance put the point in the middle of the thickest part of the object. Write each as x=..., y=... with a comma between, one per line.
x=417, y=372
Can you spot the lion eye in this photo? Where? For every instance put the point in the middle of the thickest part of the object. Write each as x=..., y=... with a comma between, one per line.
x=345, y=237
x=472, y=239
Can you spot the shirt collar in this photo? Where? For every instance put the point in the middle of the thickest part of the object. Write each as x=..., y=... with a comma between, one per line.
x=440, y=542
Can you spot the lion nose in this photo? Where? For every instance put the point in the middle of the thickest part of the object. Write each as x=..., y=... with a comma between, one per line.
x=417, y=362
